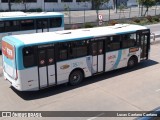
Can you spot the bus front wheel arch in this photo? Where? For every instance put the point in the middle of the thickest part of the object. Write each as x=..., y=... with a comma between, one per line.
x=76, y=77
x=132, y=61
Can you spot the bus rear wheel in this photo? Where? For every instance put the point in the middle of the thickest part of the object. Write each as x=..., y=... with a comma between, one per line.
x=132, y=62
x=75, y=77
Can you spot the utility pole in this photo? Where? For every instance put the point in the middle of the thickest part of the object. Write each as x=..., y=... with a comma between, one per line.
x=115, y=5
x=9, y=5
x=44, y=7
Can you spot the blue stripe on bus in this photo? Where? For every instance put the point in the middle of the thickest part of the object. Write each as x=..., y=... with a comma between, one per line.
x=118, y=59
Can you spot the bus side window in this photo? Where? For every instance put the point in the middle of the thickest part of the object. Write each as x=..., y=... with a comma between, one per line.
x=78, y=49
x=27, y=24
x=113, y=43
x=100, y=48
x=138, y=40
x=94, y=49
x=128, y=40
x=1, y=26
x=42, y=23
x=55, y=22
x=28, y=57
x=62, y=51
x=12, y=26
x=50, y=54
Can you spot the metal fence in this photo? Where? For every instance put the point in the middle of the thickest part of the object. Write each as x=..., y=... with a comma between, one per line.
x=85, y=16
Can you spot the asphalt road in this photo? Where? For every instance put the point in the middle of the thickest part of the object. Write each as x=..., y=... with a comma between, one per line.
x=154, y=28
x=135, y=89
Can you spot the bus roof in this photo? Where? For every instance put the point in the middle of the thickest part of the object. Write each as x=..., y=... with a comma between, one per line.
x=21, y=15
x=78, y=34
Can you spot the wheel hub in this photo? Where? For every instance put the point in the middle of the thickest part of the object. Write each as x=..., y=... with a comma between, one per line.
x=75, y=77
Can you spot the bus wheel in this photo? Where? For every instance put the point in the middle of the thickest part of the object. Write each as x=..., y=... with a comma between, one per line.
x=132, y=62
x=75, y=77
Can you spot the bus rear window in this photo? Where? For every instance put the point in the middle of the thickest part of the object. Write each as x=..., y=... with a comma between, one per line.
x=28, y=57
x=8, y=50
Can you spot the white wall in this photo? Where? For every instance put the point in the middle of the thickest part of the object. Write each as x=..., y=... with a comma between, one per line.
x=4, y=6
x=50, y=6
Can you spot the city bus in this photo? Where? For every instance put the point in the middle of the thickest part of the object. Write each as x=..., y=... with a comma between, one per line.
x=13, y=23
x=36, y=61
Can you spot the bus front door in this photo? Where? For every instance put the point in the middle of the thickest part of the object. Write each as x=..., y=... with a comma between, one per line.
x=46, y=67
x=144, y=43
x=42, y=25
x=98, y=57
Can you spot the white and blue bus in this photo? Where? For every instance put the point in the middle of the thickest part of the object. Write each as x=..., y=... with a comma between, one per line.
x=36, y=61
x=13, y=23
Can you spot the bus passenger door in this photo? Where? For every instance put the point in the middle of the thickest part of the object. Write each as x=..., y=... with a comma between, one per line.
x=144, y=38
x=46, y=67
x=42, y=25
x=98, y=57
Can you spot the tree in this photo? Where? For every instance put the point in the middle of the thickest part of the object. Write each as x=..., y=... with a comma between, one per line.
x=121, y=8
x=157, y=2
x=22, y=2
x=96, y=4
x=11, y=2
x=9, y=5
x=147, y=4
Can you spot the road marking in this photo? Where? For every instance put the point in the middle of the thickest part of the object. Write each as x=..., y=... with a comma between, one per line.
x=92, y=118
x=158, y=90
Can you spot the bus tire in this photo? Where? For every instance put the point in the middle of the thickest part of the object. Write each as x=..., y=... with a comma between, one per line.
x=76, y=77
x=132, y=62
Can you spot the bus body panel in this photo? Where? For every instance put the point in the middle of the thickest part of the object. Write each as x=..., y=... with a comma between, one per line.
x=37, y=76
x=119, y=59
x=97, y=64
x=9, y=59
x=9, y=64
x=17, y=84
x=65, y=68
x=111, y=58
x=29, y=79
x=51, y=75
x=43, y=77
x=94, y=64
x=100, y=63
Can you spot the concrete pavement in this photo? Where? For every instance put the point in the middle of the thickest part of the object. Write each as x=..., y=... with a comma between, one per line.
x=155, y=32
x=121, y=90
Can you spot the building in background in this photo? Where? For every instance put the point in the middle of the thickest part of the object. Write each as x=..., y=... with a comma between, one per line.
x=56, y=5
